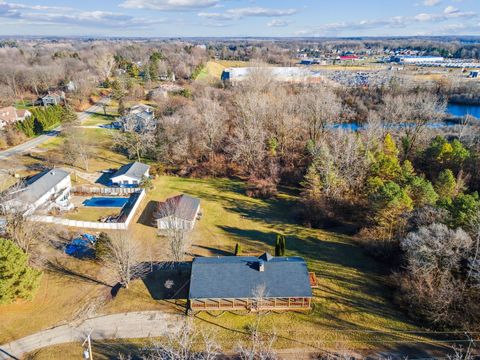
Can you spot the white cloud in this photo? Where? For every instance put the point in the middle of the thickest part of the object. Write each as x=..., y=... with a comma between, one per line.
x=278, y=23
x=431, y=2
x=169, y=5
x=239, y=13
x=62, y=15
x=450, y=10
x=449, y=13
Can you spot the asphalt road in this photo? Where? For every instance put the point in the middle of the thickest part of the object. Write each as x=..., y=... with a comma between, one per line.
x=143, y=324
x=31, y=144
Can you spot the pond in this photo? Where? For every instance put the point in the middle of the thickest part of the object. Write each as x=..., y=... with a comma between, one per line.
x=463, y=109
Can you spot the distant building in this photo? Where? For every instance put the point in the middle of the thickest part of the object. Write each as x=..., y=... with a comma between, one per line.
x=409, y=59
x=249, y=283
x=348, y=58
x=70, y=86
x=179, y=211
x=474, y=74
x=294, y=74
x=140, y=117
x=49, y=189
x=52, y=98
x=130, y=175
x=9, y=115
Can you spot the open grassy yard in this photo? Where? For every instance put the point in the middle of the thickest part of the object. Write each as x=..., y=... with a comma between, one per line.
x=103, y=157
x=353, y=294
x=352, y=308
x=83, y=213
x=213, y=69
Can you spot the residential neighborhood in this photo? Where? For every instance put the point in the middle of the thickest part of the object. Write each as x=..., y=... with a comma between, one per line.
x=253, y=180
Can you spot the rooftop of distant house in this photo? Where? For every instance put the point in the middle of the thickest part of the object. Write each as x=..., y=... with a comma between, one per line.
x=135, y=170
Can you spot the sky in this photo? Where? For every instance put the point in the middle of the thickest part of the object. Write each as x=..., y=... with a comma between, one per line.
x=232, y=18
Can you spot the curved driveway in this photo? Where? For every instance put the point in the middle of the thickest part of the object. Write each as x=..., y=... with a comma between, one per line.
x=131, y=325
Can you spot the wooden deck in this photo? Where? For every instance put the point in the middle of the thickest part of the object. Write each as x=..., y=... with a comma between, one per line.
x=284, y=304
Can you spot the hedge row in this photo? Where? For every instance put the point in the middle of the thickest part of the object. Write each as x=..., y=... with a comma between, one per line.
x=42, y=119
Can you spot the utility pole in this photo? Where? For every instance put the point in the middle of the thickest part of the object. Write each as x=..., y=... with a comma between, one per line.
x=87, y=354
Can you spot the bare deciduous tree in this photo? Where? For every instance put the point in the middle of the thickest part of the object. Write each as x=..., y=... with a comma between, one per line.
x=181, y=344
x=260, y=345
x=174, y=230
x=122, y=255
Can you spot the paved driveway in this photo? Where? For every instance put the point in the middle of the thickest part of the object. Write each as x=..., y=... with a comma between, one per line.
x=143, y=324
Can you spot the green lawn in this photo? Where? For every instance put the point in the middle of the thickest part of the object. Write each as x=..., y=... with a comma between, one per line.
x=353, y=294
x=352, y=306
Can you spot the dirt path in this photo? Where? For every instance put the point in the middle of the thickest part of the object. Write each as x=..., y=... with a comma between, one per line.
x=118, y=326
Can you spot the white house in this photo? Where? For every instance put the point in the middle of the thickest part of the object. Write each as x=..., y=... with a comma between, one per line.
x=179, y=212
x=9, y=115
x=130, y=175
x=140, y=117
x=49, y=189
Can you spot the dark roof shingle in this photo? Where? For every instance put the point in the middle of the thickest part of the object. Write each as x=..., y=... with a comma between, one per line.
x=236, y=277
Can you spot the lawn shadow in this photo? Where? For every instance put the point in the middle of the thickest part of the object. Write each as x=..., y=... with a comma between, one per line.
x=58, y=268
x=115, y=350
x=213, y=251
x=146, y=217
x=169, y=283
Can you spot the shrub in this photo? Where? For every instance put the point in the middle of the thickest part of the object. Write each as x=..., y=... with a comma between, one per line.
x=261, y=188
x=17, y=279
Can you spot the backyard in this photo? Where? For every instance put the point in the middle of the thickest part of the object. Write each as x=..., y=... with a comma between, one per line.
x=352, y=306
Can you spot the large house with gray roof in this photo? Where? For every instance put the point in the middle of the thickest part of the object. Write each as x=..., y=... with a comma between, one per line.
x=46, y=190
x=249, y=283
x=130, y=175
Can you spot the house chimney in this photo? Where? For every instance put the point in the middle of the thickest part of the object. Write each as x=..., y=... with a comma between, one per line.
x=261, y=266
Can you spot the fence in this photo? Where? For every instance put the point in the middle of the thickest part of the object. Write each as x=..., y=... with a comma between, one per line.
x=80, y=189
x=92, y=224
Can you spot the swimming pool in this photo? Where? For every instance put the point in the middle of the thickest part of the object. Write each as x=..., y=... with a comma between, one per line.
x=106, y=202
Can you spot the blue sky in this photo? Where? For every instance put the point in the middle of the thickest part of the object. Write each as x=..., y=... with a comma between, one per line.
x=167, y=18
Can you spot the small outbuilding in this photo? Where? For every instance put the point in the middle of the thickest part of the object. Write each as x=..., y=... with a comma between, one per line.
x=249, y=283
x=130, y=175
x=179, y=212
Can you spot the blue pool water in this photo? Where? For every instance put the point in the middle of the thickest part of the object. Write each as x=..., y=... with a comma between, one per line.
x=106, y=202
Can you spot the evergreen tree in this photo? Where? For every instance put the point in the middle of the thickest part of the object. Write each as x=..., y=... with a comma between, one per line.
x=101, y=245
x=280, y=245
x=277, y=246
x=17, y=279
x=283, y=245
x=446, y=186
x=238, y=249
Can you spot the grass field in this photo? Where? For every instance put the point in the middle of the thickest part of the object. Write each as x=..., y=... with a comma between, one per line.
x=213, y=69
x=101, y=143
x=352, y=306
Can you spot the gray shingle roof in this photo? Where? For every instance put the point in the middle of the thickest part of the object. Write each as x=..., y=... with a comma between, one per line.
x=183, y=207
x=135, y=170
x=40, y=184
x=236, y=277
